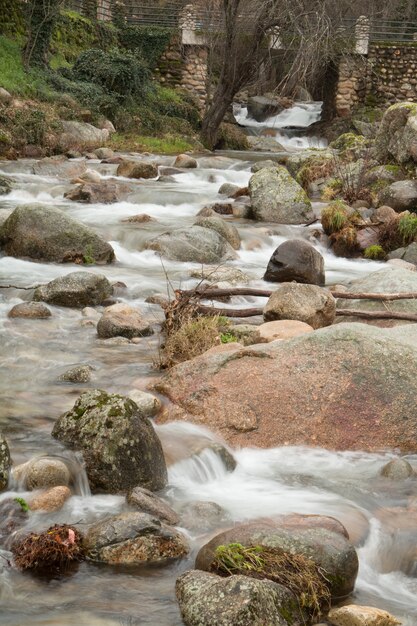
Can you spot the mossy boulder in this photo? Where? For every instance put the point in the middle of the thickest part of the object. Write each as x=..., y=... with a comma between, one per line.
x=77, y=289
x=119, y=444
x=350, y=146
x=5, y=462
x=397, y=135
x=206, y=599
x=277, y=197
x=307, y=158
x=44, y=233
x=193, y=244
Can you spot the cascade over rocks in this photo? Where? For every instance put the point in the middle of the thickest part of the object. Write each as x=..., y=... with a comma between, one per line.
x=119, y=445
x=319, y=538
x=306, y=303
x=59, y=166
x=320, y=400
x=206, y=599
x=296, y=260
x=193, y=244
x=277, y=197
x=43, y=233
x=77, y=289
x=134, y=539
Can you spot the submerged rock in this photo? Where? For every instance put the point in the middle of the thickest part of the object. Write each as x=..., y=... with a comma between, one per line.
x=202, y=516
x=44, y=233
x=13, y=515
x=77, y=289
x=296, y=260
x=42, y=473
x=355, y=615
x=5, y=462
x=320, y=400
x=134, y=539
x=30, y=310
x=310, y=304
x=122, y=320
x=206, y=599
x=277, y=197
x=194, y=244
x=119, y=444
x=398, y=469
x=77, y=374
x=147, y=502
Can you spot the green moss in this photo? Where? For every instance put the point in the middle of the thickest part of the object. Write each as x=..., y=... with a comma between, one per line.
x=376, y=253
x=334, y=217
x=407, y=227
x=228, y=337
x=23, y=504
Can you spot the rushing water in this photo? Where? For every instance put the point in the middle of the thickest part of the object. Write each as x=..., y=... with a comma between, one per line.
x=265, y=482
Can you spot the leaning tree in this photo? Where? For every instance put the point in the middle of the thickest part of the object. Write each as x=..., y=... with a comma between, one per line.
x=41, y=19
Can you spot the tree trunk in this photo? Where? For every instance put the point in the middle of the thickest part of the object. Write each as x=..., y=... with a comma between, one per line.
x=222, y=100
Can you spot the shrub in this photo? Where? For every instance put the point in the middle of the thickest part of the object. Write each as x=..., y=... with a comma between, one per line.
x=344, y=242
x=318, y=166
x=114, y=71
x=375, y=253
x=148, y=41
x=91, y=95
x=407, y=227
x=334, y=217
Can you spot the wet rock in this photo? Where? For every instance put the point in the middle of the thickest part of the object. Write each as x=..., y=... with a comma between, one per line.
x=89, y=176
x=158, y=298
x=242, y=211
x=147, y=502
x=397, y=469
x=193, y=244
x=261, y=165
x=306, y=303
x=185, y=161
x=219, y=208
x=259, y=143
x=77, y=374
x=105, y=153
x=44, y=233
x=296, y=260
x=279, y=330
x=134, y=539
x=51, y=500
x=42, y=473
x=407, y=254
x=104, y=192
x=60, y=167
x=225, y=229
x=5, y=185
x=5, y=462
x=12, y=517
x=262, y=107
x=201, y=516
x=228, y=189
x=316, y=537
x=215, y=274
x=320, y=399
x=220, y=451
x=77, y=289
x=141, y=218
x=30, y=310
x=119, y=444
x=355, y=615
x=81, y=133
x=206, y=599
x=277, y=197
x=400, y=196
x=397, y=134
x=148, y=404
x=122, y=320
x=137, y=169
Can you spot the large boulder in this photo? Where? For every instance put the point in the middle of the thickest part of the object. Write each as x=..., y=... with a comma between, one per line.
x=134, y=539
x=77, y=289
x=306, y=303
x=296, y=260
x=397, y=134
x=119, y=444
x=387, y=280
x=400, y=196
x=225, y=229
x=45, y=233
x=348, y=386
x=122, y=320
x=408, y=254
x=81, y=134
x=5, y=463
x=194, y=244
x=137, y=169
x=262, y=107
x=42, y=473
x=321, y=539
x=277, y=197
x=206, y=599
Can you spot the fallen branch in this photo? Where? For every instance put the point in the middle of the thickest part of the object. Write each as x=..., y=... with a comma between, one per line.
x=374, y=296
x=388, y=315
x=266, y=293
x=17, y=287
x=209, y=310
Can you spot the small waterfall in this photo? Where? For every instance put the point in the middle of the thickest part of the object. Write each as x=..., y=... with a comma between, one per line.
x=204, y=467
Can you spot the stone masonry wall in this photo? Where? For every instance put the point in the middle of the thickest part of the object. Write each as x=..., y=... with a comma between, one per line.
x=387, y=74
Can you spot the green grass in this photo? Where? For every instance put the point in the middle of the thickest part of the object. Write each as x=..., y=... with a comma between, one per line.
x=407, y=227
x=169, y=144
x=13, y=75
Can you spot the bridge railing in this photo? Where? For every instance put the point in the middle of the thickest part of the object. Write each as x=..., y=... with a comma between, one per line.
x=383, y=30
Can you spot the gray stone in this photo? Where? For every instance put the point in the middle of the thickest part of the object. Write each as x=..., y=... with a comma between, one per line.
x=306, y=303
x=147, y=502
x=262, y=107
x=78, y=134
x=30, y=310
x=5, y=185
x=185, y=161
x=397, y=134
x=149, y=404
x=5, y=462
x=277, y=197
x=400, y=196
x=225, y=229
x=261, y=165
x=296, y=260
x=119, y=444
x=77, y=289
x=134, y=539
x=42, y=473
x=104, y=192
x=258, y=143
x=216, y=274
x=228, y=189
x=47, y=234
x=122, y=320
x=77, y=374
x=104, y=153
x=407, y=254
x=206, y=599
x=397, y=469
x=193, y=244
x=137, y=169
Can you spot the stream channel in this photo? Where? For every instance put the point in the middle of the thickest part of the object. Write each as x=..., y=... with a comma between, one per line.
x=268, y=482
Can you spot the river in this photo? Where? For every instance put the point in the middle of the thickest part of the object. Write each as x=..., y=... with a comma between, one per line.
x=305, y=480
